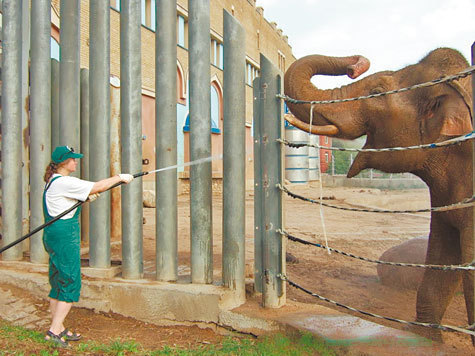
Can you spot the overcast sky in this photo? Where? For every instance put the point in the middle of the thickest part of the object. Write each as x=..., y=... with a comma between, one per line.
x=391, y=34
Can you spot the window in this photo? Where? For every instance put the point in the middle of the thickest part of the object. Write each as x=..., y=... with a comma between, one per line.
x=148, y=14
x=326, y=157
x=251, y=73
x=182, y=32
x=115, y=4
x=54, y=49
x=215, y=112
x=216, y=53
x=281, y=61
x=326, y=139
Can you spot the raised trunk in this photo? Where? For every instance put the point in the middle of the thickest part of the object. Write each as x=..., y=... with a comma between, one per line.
x=297, y=85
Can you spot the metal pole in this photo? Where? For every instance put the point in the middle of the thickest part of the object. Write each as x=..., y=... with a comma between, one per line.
x=131, y=128
x=258, y=194
x=69, y=123
x=99, y=130
x=234, y=156
x=271, y=162
x=84, y=74
x=166, y=141
x=11, y=128
x=54, y=103
x=200, y=142
x=40, y=133
x=473, y=160
x=25, y=97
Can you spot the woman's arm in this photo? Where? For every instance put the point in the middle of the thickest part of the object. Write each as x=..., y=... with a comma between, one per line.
x=104, y=184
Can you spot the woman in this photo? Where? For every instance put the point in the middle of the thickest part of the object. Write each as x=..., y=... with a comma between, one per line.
x=62, y=238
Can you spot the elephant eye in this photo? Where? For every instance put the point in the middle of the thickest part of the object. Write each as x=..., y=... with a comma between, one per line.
x=377, y=90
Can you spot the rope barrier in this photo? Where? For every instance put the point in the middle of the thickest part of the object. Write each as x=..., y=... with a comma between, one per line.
x=462, y=74
x=464, y=267
x=466, y=203
x=466, y=330
x=450, y=142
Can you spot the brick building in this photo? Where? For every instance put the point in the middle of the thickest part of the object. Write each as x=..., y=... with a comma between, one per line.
x=262, y=36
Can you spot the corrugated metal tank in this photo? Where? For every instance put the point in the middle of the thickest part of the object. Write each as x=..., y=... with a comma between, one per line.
x=296, y=159
x=313, y=158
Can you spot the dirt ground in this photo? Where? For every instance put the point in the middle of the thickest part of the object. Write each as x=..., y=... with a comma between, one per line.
x=345, y=280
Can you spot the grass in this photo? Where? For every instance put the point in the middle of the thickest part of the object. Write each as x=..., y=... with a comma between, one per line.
x=15, y=340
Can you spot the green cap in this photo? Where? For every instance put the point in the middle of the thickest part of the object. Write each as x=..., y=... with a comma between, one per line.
x=62, y=153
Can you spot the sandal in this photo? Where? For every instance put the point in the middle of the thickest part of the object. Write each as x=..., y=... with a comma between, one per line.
x=57, y=339
x=72, y=337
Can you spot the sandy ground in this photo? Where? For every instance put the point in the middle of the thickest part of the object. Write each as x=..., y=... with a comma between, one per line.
x=345, y=280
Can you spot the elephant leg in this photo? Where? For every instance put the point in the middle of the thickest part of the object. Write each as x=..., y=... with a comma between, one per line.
x=468, y=276
x=438, y=287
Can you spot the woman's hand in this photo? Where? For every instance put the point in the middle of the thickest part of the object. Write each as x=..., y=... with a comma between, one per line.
x=126, y=178
x=93, y=197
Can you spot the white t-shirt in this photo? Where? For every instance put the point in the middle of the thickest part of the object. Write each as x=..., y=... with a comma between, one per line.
x=64, y=192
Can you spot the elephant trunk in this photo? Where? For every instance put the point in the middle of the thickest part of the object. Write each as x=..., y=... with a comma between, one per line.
x=297, y=85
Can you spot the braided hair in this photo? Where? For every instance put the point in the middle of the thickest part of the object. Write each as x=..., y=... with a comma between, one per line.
x=51, y=169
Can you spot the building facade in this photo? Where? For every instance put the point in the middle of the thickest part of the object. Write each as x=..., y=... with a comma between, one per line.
x=262, y=36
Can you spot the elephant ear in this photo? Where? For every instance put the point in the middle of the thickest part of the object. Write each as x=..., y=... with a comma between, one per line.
x=457, y=112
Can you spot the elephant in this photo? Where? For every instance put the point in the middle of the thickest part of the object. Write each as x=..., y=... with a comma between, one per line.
x=415, y=117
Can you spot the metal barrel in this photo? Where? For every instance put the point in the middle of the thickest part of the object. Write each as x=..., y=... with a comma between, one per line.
x=296, y=159
x=313, y=157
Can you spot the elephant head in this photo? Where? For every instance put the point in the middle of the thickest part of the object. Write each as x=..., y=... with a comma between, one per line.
x=414, y=117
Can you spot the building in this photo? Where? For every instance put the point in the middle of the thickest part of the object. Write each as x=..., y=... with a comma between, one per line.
x=262, y=36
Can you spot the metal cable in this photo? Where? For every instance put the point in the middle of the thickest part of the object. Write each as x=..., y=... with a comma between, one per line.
x=466, y=203
x=448, y=78
x=450, y=142
x=464, y=267
x=465, y=330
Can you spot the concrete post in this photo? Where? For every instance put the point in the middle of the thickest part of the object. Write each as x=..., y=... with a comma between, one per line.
x=54, y=103
x=11, y=129
x=234, y=156
x=25, y=117
x=166, y=141
x=271, y=128
x=200, y=143
x=69, y=123
x=131, y=128
x=40, y=107
x=99, y=129
x=84, y=74
x=258, y=203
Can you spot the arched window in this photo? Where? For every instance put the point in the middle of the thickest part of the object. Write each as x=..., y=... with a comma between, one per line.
x=54, y=49
x=215, y=112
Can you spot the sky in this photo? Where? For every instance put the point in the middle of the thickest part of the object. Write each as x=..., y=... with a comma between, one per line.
x=390, y=33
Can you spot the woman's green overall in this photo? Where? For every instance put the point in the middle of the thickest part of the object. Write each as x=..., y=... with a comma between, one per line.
x=62, y=242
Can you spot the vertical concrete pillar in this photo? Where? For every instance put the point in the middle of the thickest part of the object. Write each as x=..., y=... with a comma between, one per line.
x=131, y=128
x=11, y=128
x=69, y=123
x=234, y=156
x=166, y=141
x=25, y=117
x=200, y=142
x=99, y=130
x=40, y=107
x=54, y=103
x=270, y=197
x=84, y=74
